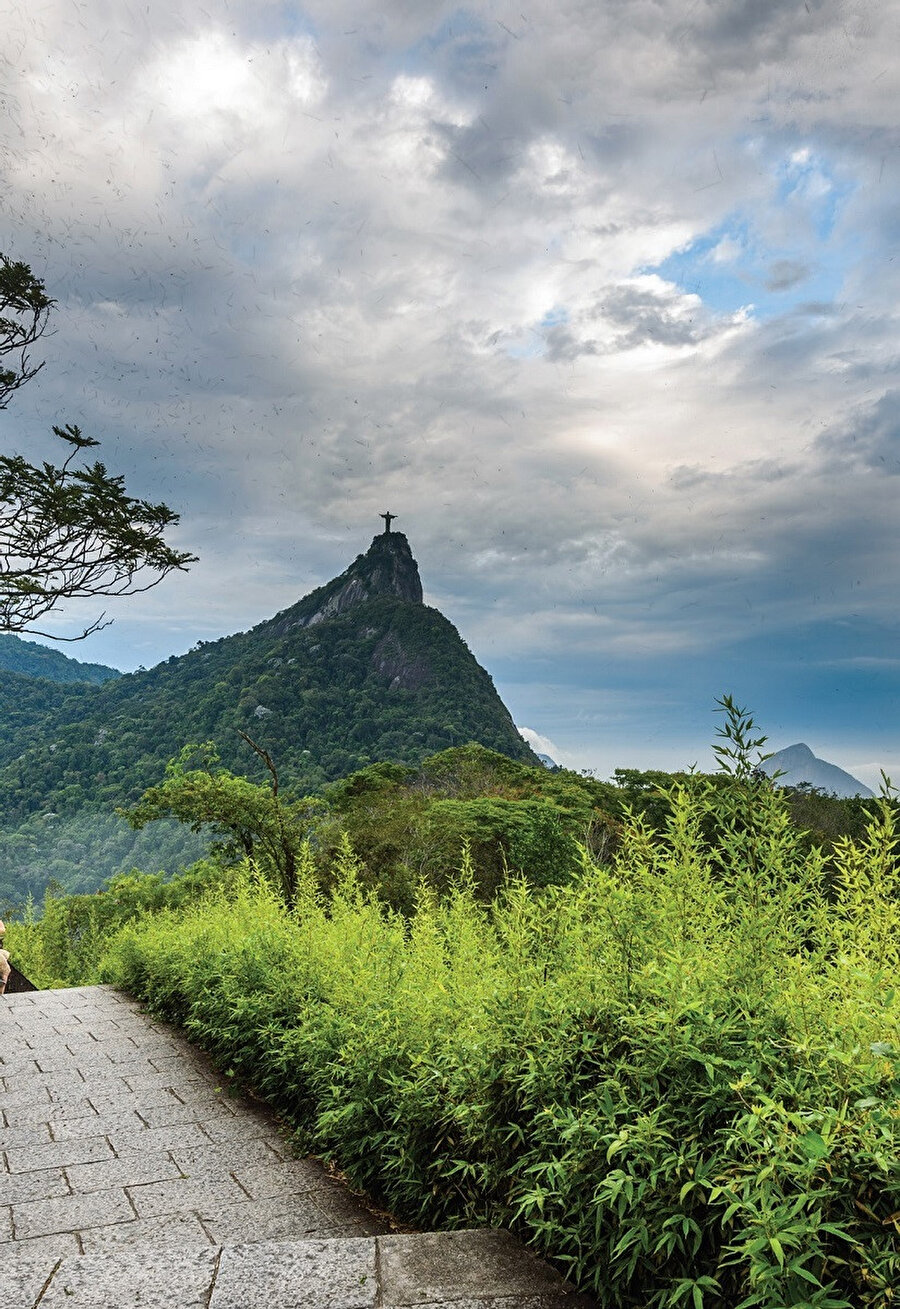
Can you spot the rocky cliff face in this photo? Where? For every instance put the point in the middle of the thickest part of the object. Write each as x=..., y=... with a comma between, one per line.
x=386, y=569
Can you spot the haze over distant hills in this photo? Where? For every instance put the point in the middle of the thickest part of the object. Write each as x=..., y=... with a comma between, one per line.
x=34, y=660
x=798, y=764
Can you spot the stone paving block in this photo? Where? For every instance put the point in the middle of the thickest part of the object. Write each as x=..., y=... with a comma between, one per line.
x=48, y=1111
x=18, y=1096
x=96, y=1065
x=16, y=1188
x=98, y=1125
x=168, y=1230
x=202, y=1090
x=202, y=1195
x=57, y=1245
x=152, y=1077
x=124, y=1052
x=76, y=1045
x=100, y=1028
x=126, y=1170
x=186, y=1059
x=339, y=1208
x=561, y=1301
x=210, y=1160
x=299, y=1275
x=113, y=1084
x=58, y=1154
x=284, y=1219
x=24, y=1277
x=134, y=1277
x=6, y=1227
x=168, y=1115
x=80, y=1045
x=247, y=1127
x=33, y=1134
x=434, y=1267
x=181, y=1136
x=58, y=1083
x=274, y=1178
x=15, y=1066
x=153, y=1045
x=70, y=1213
x=112, y=1101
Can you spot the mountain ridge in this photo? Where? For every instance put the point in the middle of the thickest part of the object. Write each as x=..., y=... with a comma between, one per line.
x=31, y=659
x=357, y=671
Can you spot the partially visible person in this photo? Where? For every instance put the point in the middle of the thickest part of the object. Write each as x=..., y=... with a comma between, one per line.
x=5, y=968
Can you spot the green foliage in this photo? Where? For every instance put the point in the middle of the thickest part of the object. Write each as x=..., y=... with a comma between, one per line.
x=72, y=531
x=409, y=824
x=677, y=1074
x=316, y=698
x=65, y=945
x=253, y=820
x=79, y=853
x=24, y=311
x=34, y=660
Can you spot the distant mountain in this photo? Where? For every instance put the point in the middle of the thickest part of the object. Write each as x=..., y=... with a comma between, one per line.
x=547, y=760
x=360, y=670
x=33, y=660
x=798, y=764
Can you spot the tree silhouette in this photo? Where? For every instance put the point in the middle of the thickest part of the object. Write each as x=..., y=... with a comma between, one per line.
x=69, y=531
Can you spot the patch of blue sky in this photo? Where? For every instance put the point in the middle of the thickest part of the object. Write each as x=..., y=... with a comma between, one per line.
x=462, y=44
x=535, y=344
x=532, y=348
x=805, y=179
x=553, y=317
x=731, y=268
x=777, y=260
x=278, y=21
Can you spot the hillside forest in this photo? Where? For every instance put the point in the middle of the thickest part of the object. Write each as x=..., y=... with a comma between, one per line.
x=651, y=1025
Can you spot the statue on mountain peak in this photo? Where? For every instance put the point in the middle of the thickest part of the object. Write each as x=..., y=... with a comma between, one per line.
x=388, y=519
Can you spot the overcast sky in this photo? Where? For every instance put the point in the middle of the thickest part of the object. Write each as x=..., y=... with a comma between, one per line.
x=601, y=299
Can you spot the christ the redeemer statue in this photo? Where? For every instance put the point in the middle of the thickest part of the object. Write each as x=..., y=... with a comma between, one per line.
x=388, y=519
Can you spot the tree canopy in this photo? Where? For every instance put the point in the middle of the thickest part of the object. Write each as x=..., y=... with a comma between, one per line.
x=70, y=531
x=24, y=312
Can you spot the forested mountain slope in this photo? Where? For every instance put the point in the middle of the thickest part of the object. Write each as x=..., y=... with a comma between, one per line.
x=35, y=660
x=357, y=671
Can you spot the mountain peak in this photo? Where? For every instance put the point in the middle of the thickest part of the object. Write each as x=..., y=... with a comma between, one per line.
x=797, y=764
x=796, y=754
x=386, y=569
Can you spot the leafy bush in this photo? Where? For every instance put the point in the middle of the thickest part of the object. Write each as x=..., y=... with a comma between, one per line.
x=65, y=945
x=678, y=1075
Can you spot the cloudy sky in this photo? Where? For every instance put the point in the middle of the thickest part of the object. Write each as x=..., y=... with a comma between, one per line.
x=601, y=299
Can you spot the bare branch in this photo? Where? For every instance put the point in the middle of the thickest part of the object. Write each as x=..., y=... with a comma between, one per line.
x=264, y=756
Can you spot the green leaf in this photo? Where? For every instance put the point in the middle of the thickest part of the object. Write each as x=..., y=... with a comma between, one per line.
x=813, y=1146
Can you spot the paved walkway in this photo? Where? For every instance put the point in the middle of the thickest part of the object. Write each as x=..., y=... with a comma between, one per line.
x=130, y=1176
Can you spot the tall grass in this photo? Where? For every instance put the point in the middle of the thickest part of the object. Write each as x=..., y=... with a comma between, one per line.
x=677, y=1076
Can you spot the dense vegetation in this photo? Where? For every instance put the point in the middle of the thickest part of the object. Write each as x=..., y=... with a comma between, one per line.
x=676, y=1072
x=80, y=853
x=405, y=822
x=320, y=698
x=34, y=660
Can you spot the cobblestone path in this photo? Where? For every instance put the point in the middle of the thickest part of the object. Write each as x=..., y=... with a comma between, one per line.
x=130, y=1176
